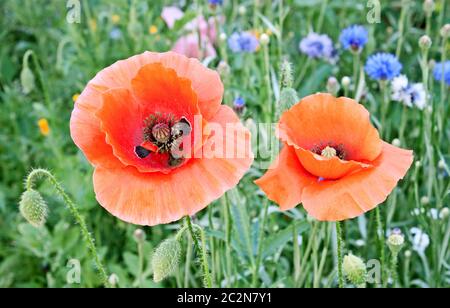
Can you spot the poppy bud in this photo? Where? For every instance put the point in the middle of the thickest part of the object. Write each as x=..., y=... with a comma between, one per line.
x=27, y=79
x=354, y=269
x=286, y=74
x=33, y=208
x=165, y=259
x=408, y=254
x=288, y=98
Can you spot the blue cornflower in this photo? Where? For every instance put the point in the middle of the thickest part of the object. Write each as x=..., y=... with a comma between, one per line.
x=317, y=46
x=383, y=66
x=239, y=104
x=215, y=2
x=442, y=68
x=354, y=37
x=243, y=42
x=115, y=33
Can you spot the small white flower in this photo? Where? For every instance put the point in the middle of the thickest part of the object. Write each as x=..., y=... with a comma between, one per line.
x=434, y=213
x=418, y=95
x=408, y=94
x=420, y=240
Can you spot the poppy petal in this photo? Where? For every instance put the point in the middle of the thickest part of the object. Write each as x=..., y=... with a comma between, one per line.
x=205, y=82
x=328, y=168
x=85, y=126
x=155, y=198
x=323, y=119
x=86, y=133
x=360, y=192
x=285, y=180
x=160, y=90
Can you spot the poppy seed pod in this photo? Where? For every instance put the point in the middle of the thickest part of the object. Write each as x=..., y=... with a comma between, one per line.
x=33, y=208
x=165, y=259
x=354, y=269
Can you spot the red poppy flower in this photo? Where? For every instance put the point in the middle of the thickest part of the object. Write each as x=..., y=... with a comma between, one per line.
x=145, y=123
x=333, y=160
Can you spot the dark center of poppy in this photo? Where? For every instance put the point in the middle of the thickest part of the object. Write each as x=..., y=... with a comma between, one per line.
x=329, y=150
x=164, y=134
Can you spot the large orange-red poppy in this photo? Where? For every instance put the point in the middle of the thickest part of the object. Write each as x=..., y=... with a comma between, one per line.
x=333, y=160
x=130, y=119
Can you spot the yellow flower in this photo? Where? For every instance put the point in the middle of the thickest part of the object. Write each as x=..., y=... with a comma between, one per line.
x=152, y=29
x=115, y=19
x=75, y=97
x=256, y=33
x=44, y=127
x=93, y=24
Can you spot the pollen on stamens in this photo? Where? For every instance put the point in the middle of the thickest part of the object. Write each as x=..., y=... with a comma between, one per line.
x=328, y=152
x=330, y=149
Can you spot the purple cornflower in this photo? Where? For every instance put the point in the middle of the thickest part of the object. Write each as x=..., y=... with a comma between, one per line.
x=243, y=42
x=318, y=46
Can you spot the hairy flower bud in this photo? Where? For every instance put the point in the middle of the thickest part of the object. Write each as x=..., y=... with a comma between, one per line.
x=354, y=269
x=27, y=80
x=288, y=98
x=33, y=208
x=165, y=259
x=286, y=74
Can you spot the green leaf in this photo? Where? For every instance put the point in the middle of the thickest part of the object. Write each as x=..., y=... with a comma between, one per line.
x=277, y=241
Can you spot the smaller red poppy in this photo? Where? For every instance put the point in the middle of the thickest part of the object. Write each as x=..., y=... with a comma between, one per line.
x=333, y=160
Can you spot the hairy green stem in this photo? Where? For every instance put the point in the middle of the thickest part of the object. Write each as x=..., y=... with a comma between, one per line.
x=201, y=250
x=89, y=240
x=339, y=254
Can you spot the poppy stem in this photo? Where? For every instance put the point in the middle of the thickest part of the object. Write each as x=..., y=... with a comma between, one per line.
x=339, y=254
x=89, y=240
x=379, y=226
x=201, y=250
